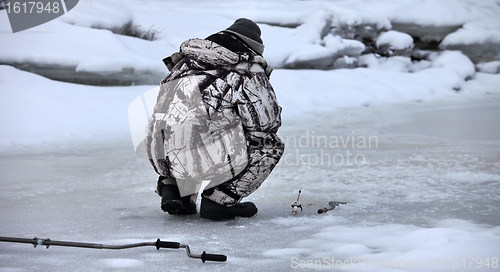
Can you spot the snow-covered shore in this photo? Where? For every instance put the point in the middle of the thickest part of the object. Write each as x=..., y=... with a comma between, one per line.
x=122, y=42
x=36, y=110
x=85, y=46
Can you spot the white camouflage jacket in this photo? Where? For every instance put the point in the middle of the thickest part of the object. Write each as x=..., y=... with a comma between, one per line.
x=216, y=118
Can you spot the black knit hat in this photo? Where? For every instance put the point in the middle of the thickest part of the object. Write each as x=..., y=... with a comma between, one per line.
x=249, y=32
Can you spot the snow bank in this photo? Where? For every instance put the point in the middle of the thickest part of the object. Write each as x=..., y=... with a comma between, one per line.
x=69, y=51
x=492, y=67
x=485, y=83
x=456, y=61
x=487, y=31
x=452, y=61
x=298, y=36
x=464, y=22
x=386, y=81
x=99, y=14
x=427, y=12
x=35, y=110
x=61, y=111
x=315, y=45
x=395, y=40
x=324, y=56
x=311, y=91
x=395, y=64
x=67, y=45
x=480, y=40
x=352, y=15
x=316, y=26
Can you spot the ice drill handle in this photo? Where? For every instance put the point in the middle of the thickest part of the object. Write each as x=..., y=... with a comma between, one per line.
x=165, y=244
x=213, y=257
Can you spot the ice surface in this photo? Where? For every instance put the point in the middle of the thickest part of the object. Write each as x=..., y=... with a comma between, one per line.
x=420, y=196
x=121, y=263
x=412, y=147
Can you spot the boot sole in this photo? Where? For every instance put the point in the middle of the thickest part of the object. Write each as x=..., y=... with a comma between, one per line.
x=217, y=217
x=218, y=214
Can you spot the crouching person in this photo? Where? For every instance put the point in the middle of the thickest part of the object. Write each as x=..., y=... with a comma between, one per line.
x=215, y=119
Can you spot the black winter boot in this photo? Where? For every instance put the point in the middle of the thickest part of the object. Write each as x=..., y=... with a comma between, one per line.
x=173, y=203
x=215, y=211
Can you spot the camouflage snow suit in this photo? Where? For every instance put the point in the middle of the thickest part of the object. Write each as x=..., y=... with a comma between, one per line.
x=216, y=118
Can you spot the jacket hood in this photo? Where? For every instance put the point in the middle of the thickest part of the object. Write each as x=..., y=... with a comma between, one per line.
x=213, y=54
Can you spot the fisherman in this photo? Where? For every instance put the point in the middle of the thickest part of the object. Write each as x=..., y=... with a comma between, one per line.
x=216, y=119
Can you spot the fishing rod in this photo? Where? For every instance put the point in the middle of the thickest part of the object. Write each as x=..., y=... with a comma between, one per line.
x=158, y=244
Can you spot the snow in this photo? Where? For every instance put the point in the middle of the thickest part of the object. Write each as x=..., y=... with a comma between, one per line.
x=104, y=14
x=322, y=52
x=428, y=12
x=456, y=61
x=107, y=52
x=315, y=27
x=299, y=91
x=476, y=32
x=312, y=91
x=395, y=40
x=355, y=15
x=35, y=110
x=396, y=63
x=313, y=18
x=344, y=46
x=423, y=196
x=492, y=67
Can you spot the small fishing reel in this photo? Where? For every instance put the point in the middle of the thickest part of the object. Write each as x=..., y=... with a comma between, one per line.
x=295, y=207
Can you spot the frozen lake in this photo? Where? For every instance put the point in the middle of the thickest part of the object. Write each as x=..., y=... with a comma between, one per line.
x=422, y=182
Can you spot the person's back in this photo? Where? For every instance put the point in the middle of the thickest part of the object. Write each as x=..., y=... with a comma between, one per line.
x=216, y=119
